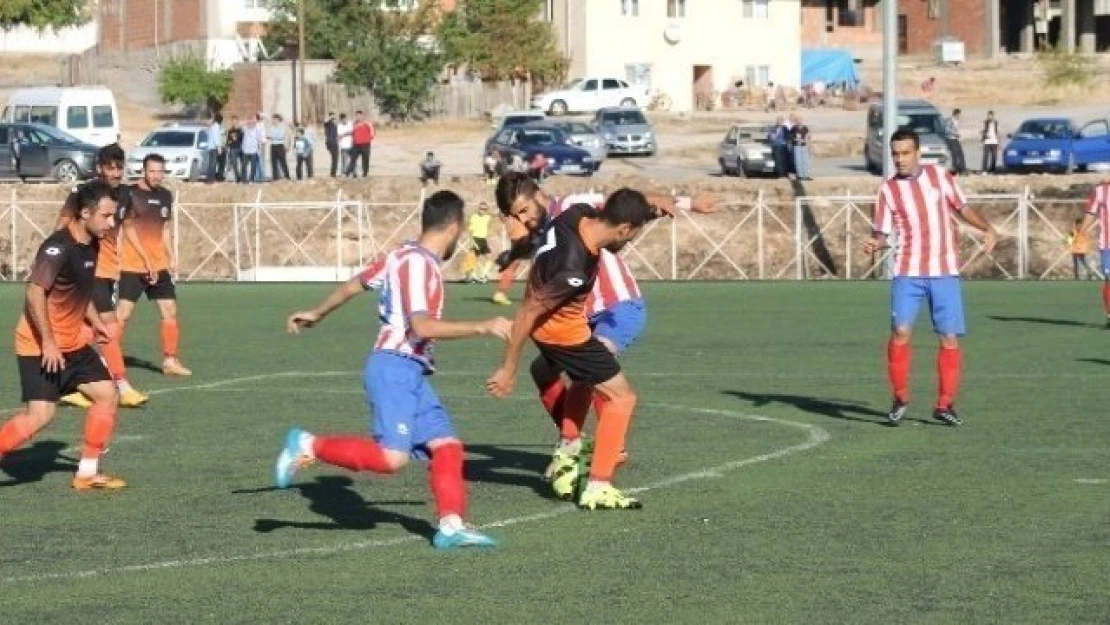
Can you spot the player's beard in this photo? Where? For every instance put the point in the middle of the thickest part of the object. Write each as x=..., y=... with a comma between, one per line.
x=451, y=249
x=616, y=248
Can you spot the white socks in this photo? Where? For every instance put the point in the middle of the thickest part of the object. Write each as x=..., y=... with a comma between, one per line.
x=593, y=486
x=450, y=524
x=88, y=467
x=123, y=385
x=571, y=447
x=306, y=444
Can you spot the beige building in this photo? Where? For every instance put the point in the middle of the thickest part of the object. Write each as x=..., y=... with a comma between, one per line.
x=681, y=47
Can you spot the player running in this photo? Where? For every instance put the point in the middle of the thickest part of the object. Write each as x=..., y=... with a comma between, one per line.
x=1098, y=208
x=109, y=170
x=148, y=262
x=554, y=314
x=52, y=342
x=409, y=419
x=919, y=203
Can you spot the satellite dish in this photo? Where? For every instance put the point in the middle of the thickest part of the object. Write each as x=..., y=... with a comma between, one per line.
x=673, y=33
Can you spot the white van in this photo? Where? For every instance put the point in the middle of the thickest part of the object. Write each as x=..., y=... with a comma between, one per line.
x=88, y=113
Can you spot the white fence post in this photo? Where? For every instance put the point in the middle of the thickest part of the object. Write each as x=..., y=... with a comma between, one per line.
x=848, y=237
x=14, y=242
x=236, y=224
x=1023, y=234
x=674, y=249
x=177, y=230
x=257, y=232
x=339, y=210
x=760, y=206
x=799, y=253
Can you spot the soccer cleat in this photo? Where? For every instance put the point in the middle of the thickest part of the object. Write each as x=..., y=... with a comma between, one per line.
x=465, y=537
x=897, y=411
x=290, y=459
x=98, y=482
x=607, y=498
x=559, y=460
x=565, y=482
x=76, y=399
x=947, y=415
x=132, y=398
x=173, y=367
x=502, y=299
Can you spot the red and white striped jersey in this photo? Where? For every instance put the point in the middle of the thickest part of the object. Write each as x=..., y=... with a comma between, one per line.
x=1098, y=204
x=920, y=210
x=411, y=282
x=615, y=282
x=373, y=274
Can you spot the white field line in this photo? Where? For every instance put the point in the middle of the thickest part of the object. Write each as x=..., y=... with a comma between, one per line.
x=816, y=436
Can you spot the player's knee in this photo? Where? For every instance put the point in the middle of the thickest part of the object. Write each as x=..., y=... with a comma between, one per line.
x=102, y=393
x=949, y=341
x=902, y=334
x=395, y=460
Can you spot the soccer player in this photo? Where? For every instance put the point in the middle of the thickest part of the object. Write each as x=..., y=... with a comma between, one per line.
x=920, y=203
x=409, y=419
x=148, y=262
x=478, y=227
x=52, y=343
x=109, y=169
x=1098, y=207
x=554, y=315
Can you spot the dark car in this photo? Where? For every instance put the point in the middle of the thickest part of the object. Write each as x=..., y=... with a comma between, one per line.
x=563, y=157
x=40, y=151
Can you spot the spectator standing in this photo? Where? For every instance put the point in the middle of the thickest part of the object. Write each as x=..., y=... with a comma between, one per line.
x=952, y=138
x=279, y=137
x=538, y=167
x=234, y=143
x=492, y=166
x=429, y=169
x=799, y=142
x=362, y=136
x=215, y=141
x=260, y=129
x=990, y=143
x=331, y=141
x=1079, y=243
x=343, y=129
x=302, y=147
x=252, y=152
x=778, y=147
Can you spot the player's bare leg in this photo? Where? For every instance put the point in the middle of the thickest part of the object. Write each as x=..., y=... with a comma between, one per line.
x=171, y=365
x=619, y=402
x=898, y=359
x=948, y=380
x=100, y=422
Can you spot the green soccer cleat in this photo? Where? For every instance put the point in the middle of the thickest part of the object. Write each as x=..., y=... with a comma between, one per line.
x=565, y=482
x=607, y=498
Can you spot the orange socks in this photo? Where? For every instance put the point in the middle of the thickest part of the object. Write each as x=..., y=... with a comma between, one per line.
x=170, y=338
x=575, y=409
x=113, y=352
x=100, y=421
x=612, y=428
x=18, y=430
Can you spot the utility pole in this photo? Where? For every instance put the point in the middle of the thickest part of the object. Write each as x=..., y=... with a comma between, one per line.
x=301, y=54
x=890, y=80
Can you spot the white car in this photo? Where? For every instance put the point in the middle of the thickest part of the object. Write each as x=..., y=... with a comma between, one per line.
x=184, y=147
x=590, y=94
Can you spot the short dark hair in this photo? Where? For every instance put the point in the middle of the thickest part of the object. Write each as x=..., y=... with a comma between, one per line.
x=154, y=158
x=441, y=210
x=110, y=154
x=511, y=186
x=90, y=194
x=627, y=206
x=358, y=112
x=905, y=134
x=956, y=111
x=219, y=119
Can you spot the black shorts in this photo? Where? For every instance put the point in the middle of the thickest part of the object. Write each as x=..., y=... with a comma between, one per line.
x=481, y=247
x=591, y=362
x=104, y=295
x=132, y=285
x=83, y=366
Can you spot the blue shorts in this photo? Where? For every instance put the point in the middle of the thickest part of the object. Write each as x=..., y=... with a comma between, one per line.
x=407, y=414
x=946, y=303
x=1105, y=256
x=620, y=325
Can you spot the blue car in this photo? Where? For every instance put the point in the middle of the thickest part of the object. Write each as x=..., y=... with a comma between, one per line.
x=563, y=157
x=1057, y=145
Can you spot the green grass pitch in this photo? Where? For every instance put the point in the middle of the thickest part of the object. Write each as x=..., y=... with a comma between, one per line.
x=775, y=494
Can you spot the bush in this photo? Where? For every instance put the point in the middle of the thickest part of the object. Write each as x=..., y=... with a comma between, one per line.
x=186, y=80
x=1067, y=69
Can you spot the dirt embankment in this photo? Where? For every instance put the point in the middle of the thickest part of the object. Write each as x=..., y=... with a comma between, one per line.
x=329, y=223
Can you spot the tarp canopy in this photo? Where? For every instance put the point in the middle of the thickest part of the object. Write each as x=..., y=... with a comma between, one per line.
x=829, y=66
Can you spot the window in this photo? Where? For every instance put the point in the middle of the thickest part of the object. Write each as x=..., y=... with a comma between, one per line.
x=756, y=9
x=676, y=8
x=5, y=141
x=638, y=74
x=170, y=139
x=22, y=114
x=1094, y=129
x=733, y=135
x=849, y=13
x=609, y=83
x=398, y=5
x=77, y=117
x=630, y=8
x=589, y=85
x=47, y=115
x=256, y=4
x=103, y=117
x=547, y=11
x=758, y=75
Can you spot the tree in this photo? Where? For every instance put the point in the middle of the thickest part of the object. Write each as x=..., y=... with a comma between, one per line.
x=502, y=39
x=187, y=80
x=42, y=14
x=388, y=52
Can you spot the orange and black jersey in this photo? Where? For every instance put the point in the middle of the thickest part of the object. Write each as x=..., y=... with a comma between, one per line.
x=107, y=261
x=64, y=268
x=562, y=276
x=148, y=211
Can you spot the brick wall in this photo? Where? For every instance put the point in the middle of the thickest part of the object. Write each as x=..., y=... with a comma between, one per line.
x=138, y=24
x=814, y=19
x=246, y=91
x=966, y=20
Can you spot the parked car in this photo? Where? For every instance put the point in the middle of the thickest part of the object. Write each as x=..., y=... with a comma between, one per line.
x=586, y=137
x=44, y=152
x=543, y=138
x=1057, y=145
x=88, y=113
x=746, y=150
x=518, y=118
x=918, y=115
x=183, y=146
x=588, y=94
x=626, y=130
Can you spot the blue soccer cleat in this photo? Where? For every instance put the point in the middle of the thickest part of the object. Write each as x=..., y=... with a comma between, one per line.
x=290, y=459
x=465, y=537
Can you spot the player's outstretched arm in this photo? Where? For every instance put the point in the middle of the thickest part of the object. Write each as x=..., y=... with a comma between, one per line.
x=501, y=383
x=338, y=297
x=669, y=205
x=972, y=218
x=440, y=329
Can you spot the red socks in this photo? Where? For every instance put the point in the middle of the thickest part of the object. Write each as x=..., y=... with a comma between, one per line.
x=898, y=369
x=357, y=453
x=18, y=430
x=553, y=398
x=445, y=478
x=575, y=408
x=170, y=337
x=1106, y=297
x=113, y=352
x=948, y=376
